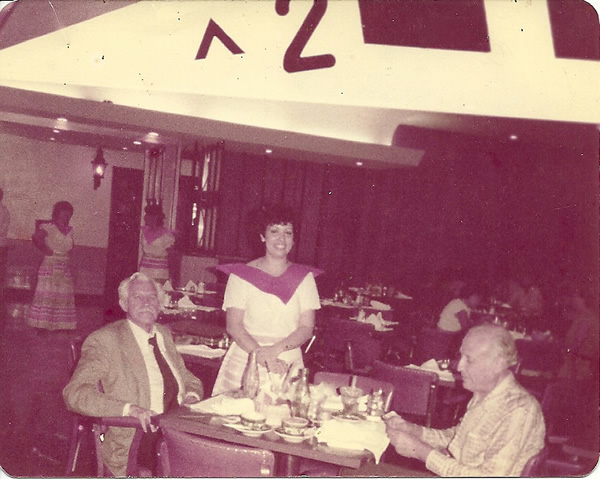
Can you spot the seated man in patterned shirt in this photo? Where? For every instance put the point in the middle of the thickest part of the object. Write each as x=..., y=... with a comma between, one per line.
x=502, y=428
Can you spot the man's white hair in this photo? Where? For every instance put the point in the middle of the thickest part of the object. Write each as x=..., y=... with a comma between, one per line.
x=124, y=287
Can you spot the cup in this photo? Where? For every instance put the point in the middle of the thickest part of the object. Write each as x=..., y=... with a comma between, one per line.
x=294, y=426
x=254, y=420
x=350, y=397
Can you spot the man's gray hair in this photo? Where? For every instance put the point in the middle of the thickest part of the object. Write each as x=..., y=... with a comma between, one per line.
x=124, y=286
x=500, y=339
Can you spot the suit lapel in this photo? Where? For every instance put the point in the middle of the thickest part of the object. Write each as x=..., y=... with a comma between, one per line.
x=137, y=366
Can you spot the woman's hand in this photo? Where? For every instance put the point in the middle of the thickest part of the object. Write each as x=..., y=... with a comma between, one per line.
x=267, y=357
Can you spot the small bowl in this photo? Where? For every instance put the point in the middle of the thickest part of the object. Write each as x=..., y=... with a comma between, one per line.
x=294, y=426
x=254, y=420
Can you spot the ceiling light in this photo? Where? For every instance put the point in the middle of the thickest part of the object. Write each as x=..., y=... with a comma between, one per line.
x=125, y=148
x=52, y=138
x=55, y=131
x=61, y=119
x=136, y=142
x=152, y=133
x=513, y=137
x=268, y=151
x=359, y=163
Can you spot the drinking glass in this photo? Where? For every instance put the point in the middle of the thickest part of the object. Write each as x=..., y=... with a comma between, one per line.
x=350, y=397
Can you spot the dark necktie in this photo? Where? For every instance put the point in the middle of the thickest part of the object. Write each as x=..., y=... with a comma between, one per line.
x=170, y=388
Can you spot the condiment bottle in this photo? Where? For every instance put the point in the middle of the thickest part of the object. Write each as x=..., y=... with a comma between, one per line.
x=301, y=397
x=250, y=379
x=375, y=403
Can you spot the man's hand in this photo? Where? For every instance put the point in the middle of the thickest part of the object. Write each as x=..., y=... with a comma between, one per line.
x=144, y=416
x=190, y=399
x=393, y=421
x=408, y=445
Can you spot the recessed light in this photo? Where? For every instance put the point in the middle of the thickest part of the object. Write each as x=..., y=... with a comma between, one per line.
x=61, y=119
x=136, y=142
x=268, y=151
x=359, y=163
x=55, y=131
x=152, y=133
x=513, y=137
x=52, y=138
x=125, y=148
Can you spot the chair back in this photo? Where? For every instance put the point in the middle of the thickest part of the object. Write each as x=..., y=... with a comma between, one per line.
x=533, y=467
x=346, y=345
x=414, y=390
x=540, y=356
x=186, y=455
x=434, y=343
x=365, y=383
x=100, y=427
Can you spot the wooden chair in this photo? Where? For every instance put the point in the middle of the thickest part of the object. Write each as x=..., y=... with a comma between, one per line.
x=414, y=390
x=100, y=426
x=365, y=383
x=185, y=455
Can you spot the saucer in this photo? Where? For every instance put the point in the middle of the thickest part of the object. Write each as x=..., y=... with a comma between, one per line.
x=340, y=416
x=308, y=433
x=246, y=431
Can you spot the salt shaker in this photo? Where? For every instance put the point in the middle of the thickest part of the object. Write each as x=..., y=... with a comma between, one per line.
x=375, y=403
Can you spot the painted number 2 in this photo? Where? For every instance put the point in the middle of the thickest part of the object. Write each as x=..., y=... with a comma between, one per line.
x=293, y=61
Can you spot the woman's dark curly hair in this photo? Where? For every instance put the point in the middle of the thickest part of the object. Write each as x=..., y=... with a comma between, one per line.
x=263, y=217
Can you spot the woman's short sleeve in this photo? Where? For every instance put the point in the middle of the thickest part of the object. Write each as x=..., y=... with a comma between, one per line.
x=308, y=294
x=236, y=293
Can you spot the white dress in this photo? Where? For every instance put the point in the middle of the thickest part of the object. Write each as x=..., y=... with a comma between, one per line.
x=268, y=320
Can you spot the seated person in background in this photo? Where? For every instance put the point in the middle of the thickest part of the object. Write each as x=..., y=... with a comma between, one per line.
x=456, y=315
x=502, y=428
x=120, y=373
x=581, y=339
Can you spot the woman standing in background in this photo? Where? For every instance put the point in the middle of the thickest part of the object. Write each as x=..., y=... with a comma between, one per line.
x=53, y=306
x=157, y=247
x=270, y=304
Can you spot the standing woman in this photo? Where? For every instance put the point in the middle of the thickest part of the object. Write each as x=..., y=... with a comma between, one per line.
x=157, y=246
x=270, y=304
x=53, y=305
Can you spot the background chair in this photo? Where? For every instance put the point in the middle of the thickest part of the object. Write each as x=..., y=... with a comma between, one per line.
x=344, y=345
x=414, y=390
x=537, y=365
x=434, y=343
x=365, y=383
x=186, y=455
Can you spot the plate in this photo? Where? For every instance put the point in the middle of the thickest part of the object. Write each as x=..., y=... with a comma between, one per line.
x=310, y=432
x=340, y=416
x=246, y=431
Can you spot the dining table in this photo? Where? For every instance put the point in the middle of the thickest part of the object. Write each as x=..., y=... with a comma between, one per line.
x=288, y=455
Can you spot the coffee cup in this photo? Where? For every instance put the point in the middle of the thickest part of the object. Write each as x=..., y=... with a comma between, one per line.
x=254, y=420
x=294, y=426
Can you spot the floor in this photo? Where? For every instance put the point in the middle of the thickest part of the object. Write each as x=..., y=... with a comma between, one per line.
x=35, y=426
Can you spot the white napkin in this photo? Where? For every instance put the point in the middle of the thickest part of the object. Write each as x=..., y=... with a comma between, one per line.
x=378, y=321
x=200, y=350
x=186, y=303
x=361, y=435
x=190, y=286
x=224, y=405
x=380, y=306
x=167, y=286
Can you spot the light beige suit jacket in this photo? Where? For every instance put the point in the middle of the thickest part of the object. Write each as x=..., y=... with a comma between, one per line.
x=111, y=357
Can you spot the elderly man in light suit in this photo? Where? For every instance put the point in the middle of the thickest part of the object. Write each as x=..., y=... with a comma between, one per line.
x=118, y=373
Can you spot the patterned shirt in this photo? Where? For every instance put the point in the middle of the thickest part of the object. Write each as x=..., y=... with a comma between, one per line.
x=496, y=437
